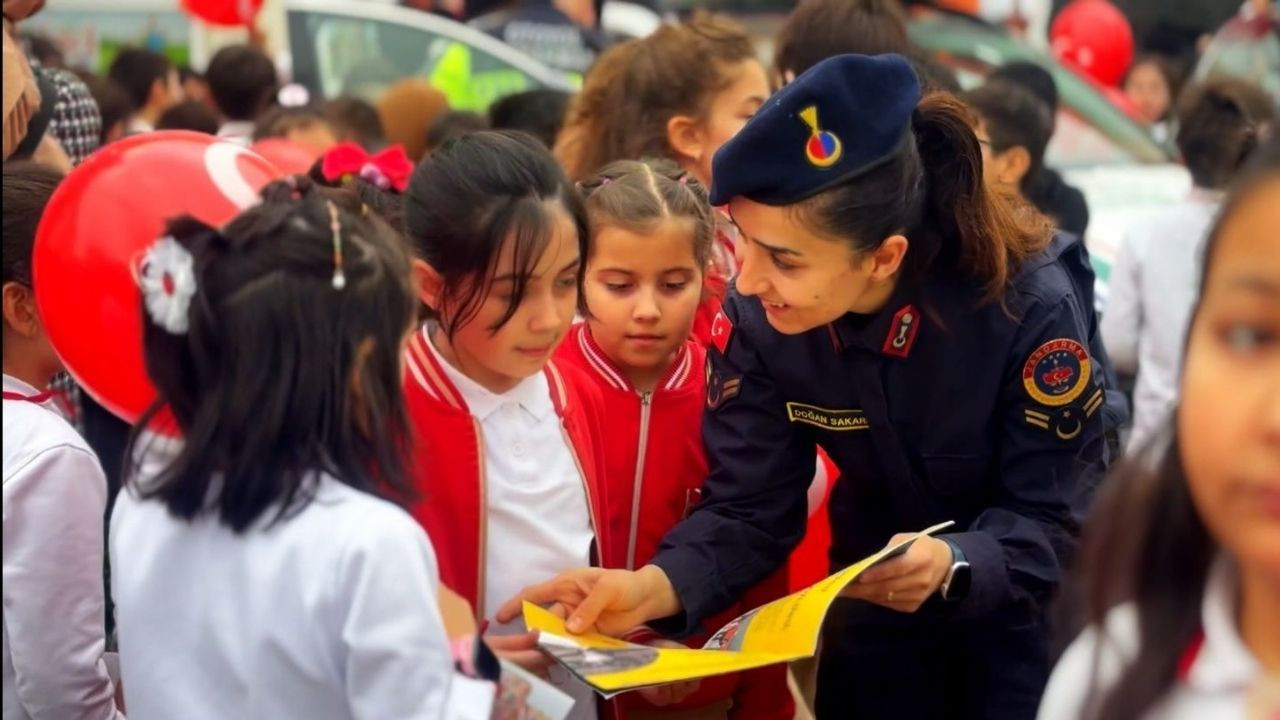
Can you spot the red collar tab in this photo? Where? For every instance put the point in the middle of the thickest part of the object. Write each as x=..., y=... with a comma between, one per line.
x=902, y=332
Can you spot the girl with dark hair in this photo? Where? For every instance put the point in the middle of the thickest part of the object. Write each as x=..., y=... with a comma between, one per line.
x=651, y=233
x=506, y=450
x=941, y=348
x=1181, y=559
x=260, y=549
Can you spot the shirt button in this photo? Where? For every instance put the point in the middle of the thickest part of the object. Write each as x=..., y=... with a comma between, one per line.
x=517, y=449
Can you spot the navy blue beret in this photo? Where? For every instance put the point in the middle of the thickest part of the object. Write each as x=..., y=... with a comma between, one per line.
x=841, y=118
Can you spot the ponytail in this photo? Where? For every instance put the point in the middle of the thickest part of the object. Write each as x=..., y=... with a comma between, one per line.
x=991, y=239
x=933, y=193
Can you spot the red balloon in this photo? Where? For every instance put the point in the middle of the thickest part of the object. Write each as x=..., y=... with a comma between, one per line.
x=224, y=12
x=1095, y=38
x=290, y=157
x=98, y=224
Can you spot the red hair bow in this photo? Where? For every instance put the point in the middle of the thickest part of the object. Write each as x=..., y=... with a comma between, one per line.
x=388, y=169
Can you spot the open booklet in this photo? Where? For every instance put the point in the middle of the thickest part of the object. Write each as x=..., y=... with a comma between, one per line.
x=783, y=630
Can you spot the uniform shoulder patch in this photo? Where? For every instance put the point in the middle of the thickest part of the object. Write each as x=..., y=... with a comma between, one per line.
x=1057, y=372
x=721, y=331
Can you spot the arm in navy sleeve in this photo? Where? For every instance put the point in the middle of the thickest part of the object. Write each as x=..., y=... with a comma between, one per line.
x=754, y=506
x=1018, y=547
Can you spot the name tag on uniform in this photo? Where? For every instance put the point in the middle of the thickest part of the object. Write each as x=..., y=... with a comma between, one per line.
x=838, y=420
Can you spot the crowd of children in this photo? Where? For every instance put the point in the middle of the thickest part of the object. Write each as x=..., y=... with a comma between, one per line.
x=412, y=385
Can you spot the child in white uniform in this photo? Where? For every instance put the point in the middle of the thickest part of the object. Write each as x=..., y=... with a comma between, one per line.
x=55, y=495
x=258, y=571
x=1183, y=559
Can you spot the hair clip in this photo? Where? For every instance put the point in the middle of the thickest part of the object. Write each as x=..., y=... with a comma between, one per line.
x=339, y=278
x=167, y=278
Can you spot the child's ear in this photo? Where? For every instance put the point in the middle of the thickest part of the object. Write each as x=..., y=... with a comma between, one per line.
x=20, y=310
x=428, y=283
x=685, y=136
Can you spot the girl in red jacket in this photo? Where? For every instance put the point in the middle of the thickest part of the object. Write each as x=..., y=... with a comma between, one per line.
x=503, y=445
x=651, y=235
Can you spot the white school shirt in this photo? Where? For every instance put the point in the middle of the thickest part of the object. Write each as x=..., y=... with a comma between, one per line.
x=539, y=524
x=55, y=495
x=1217, y=686
x=331, y=614
x=1153, y=288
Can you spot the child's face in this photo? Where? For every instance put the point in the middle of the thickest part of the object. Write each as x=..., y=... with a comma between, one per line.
x=500, y=359
x=1229, y=420
x=729, y=111
x=1147, y=88
x=642, y=290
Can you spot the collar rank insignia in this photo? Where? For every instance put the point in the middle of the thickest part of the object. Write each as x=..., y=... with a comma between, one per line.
x=902, y=332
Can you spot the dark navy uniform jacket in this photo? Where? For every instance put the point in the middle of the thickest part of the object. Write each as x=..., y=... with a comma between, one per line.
x=938, y=408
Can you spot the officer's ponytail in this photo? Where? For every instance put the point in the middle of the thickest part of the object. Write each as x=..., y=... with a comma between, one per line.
x=979, y=232
x=932, y=192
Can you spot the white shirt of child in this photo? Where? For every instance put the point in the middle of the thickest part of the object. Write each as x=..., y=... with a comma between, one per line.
x=55, y=495
x=1152, y=290
x=1218, y=684
x=538, y=521
x=331, y=614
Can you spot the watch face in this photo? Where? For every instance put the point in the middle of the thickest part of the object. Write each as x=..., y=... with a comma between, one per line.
x=958, y=582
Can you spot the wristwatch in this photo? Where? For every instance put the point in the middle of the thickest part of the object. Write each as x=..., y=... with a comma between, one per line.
x=955, y=586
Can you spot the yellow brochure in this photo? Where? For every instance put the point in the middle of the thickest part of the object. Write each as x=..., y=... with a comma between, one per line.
x=783, y=630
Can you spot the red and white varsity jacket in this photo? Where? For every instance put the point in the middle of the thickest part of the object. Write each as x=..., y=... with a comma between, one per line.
x=655, y=466
x=447, y=452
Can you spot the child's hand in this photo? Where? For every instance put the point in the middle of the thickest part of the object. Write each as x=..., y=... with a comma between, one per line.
x=522, y=650
x=663, y=695
x=513, y=699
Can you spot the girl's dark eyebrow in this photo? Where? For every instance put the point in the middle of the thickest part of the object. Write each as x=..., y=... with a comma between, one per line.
x=1254, y=284
x=777, y=250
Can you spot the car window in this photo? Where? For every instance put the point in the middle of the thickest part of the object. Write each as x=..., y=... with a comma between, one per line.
x=343, y=55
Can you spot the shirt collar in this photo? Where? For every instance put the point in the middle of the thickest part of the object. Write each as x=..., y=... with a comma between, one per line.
x=14, y=385
x=877, y=332
x=236, y=130
x=1224, y=662
x=532, y=393
x=139, y=125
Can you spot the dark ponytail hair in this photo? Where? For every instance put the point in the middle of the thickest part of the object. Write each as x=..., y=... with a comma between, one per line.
x=1146, y=544
x=472, y=196
x=279, y=373
x=932, y=192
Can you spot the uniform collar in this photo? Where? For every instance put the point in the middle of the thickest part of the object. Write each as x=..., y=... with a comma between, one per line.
x=531, y=393
x=675, y=377
x=891, y=332
x=1223, y=663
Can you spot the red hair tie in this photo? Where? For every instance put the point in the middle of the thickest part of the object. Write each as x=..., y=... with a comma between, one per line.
x=389, y=169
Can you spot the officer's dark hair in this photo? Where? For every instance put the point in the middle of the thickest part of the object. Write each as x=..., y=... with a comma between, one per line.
x=932, y=192
x=280, y=374
x=137, y=71
x=189, y=115
x=634, y=89
x=1013, y=118
x=28, y=185
x=538, y=112
x=242, y=80
x=356, y=120
x=820, y=29
x=471, y=197
x=1220, y=122
x=1146, y=544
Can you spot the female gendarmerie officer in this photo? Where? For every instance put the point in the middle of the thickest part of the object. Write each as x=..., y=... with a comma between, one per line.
x=941, y=347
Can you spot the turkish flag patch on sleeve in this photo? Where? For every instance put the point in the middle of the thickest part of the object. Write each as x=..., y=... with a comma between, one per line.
x=721, y=331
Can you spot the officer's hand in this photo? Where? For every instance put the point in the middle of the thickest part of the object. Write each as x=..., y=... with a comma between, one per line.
x=905, y=582
x=610, y=602
x=663, y=695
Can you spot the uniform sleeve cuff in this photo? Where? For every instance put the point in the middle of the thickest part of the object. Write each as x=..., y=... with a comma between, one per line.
x=988, y=571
